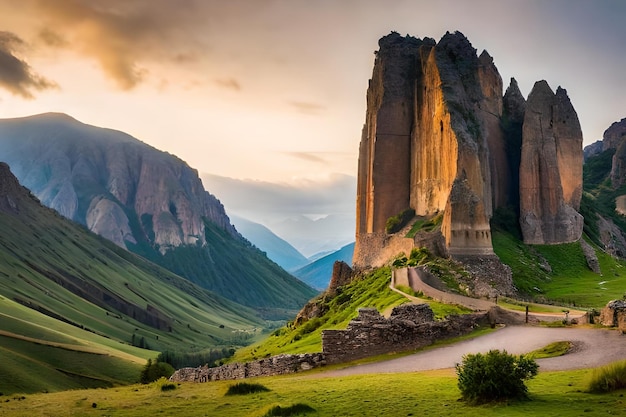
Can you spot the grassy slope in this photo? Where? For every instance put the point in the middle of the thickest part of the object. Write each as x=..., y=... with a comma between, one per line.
x=570, y=282
x=371, y=290
x=420, y=393
x=39, y=249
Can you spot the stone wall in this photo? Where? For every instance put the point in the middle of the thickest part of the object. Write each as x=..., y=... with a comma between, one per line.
x=409, y=327
x=275, y=365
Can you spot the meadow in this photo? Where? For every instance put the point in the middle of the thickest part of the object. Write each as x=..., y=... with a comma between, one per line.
x=432, y=393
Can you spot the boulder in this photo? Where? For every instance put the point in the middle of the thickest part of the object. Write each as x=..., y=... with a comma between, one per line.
x=614, y=314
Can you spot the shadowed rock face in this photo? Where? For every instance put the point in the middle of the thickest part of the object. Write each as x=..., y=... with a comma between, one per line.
x=119, y=187
x=550, y=168
x=614, y=139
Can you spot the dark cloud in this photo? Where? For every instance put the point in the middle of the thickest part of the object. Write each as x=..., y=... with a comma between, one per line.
x=307, y=108
x=229, y=83
x=16, y=75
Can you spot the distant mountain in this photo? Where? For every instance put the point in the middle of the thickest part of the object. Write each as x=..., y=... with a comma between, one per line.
x=313, y=236
x=76, y=308
x=147, y=201
x=317, y=274
x=277, y=249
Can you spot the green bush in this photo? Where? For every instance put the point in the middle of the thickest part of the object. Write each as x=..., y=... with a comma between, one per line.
x=608, y=378
x=292, y=410
x=397, y=222
x=243, y=388
x=494, y=376
x=155, y=370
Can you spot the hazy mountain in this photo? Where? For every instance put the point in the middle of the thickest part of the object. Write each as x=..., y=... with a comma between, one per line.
x=313, y=216
x=313, y=236
x=61, y=284
x=317, y=274
x=145, y=200
x=277, y=249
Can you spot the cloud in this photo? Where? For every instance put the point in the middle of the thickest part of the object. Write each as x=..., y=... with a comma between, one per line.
x=16, y=75
x=229, y=83
x=307, y=107
x=307, y=156
x=123, y=36
x=264, y=202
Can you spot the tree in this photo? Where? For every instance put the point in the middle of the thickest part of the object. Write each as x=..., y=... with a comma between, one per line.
x=495, y=376
x=155, y=370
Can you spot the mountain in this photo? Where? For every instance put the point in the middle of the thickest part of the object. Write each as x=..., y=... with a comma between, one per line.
x=78, y=311
x=147, y=201
x=317, y=274
x=442, y=142
x=277, y=249
x=310, y=237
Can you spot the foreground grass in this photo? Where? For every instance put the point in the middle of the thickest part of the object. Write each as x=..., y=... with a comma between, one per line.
x=433, y=393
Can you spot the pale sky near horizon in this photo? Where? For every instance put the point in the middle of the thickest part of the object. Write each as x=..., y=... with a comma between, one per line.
x=274, y=90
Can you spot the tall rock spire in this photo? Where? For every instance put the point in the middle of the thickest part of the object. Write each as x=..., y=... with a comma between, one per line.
x=550, y=168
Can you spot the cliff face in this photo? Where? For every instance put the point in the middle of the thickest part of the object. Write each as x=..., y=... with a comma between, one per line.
x=550, y=168
x=440, y=137
x=117, y=186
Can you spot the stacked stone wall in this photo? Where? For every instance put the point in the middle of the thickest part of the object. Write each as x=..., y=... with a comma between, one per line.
x=371, y=334
x=275, y=365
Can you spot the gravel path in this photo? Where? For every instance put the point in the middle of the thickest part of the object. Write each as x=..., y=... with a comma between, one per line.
x=592, y=348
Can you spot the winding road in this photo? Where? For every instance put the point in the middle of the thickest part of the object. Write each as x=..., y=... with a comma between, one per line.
x=592, y=348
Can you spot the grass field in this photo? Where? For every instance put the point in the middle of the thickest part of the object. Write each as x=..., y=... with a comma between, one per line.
x=431, y=393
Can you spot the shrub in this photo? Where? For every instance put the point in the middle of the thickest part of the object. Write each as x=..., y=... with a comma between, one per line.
x=243, y=388
x=494, y=376
x=397, y=222
x=155, y=370
x=169, y=386
x=292, y=410
x=608, y=378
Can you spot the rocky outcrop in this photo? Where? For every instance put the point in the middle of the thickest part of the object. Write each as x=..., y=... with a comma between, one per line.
x=592, y=150
x=550, y=168
x=117, y=186
x=342, y=275
x=614, y=135
x=433, y=110
x=614, y=314
x=513, y=110
x=590, y=256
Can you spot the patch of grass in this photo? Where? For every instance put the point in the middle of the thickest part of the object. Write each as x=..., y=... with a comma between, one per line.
x=292, y=410
x=245, y=388
x=552, y=350
x=397, y=222
x=608, y=378
x=570, y=282
x=425, y=224
x=434, y=393
x=370, y=290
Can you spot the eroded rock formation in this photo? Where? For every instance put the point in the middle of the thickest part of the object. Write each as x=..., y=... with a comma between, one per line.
x=440, y=137
x=550, y=168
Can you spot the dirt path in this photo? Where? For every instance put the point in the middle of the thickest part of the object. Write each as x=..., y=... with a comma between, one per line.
x=417, y=284
x=592, y=348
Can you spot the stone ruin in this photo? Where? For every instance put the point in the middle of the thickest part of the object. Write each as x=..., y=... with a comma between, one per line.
x=410, y=326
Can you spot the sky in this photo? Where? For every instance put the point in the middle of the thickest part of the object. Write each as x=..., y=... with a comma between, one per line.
x=273, y=91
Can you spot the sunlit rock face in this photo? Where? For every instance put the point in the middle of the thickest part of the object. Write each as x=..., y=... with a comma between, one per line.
x=440, y=138
x=119, y=187
x=550, y=168
x=433, y=112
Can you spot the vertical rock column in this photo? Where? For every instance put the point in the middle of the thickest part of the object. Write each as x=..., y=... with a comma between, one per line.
x=550, y=168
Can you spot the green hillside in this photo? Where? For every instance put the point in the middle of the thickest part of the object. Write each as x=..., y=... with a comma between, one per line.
x=64, y=289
